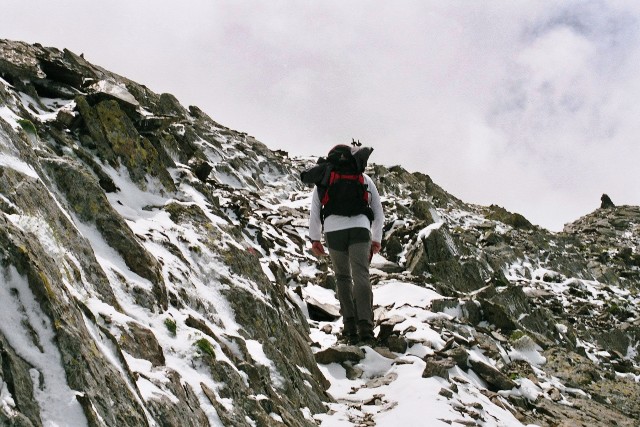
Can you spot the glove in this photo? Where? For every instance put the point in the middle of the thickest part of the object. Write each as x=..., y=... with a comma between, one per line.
x=317, y=249
x=375, y=248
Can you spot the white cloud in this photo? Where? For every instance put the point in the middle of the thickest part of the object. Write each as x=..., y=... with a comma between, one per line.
x=528, y=105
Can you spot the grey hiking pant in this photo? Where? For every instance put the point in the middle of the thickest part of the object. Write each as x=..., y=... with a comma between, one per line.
x=349, y=250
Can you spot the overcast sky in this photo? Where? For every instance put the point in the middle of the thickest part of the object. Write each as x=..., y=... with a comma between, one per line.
x=534, y=106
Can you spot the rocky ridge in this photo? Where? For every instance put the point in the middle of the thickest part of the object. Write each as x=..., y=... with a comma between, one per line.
x=155, y=272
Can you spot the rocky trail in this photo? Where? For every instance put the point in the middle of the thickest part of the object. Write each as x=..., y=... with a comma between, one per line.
x=435, y=368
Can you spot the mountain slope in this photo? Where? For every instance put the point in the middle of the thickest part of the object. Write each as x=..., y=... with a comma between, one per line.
x=155, y=272
x=146, y=272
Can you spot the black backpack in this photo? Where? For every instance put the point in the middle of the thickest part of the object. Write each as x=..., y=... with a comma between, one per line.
x=340, y=181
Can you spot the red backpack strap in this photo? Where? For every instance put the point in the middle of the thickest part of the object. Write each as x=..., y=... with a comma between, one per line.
x=332, y=178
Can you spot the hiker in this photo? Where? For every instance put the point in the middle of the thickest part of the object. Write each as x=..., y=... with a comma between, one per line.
x=346, y=206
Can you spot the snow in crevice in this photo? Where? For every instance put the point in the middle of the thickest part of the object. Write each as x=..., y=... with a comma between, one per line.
x=7, y=404
x=110, y=260
x=10, y=117
x=30, y=333
x=13, y=162
x=203, y=275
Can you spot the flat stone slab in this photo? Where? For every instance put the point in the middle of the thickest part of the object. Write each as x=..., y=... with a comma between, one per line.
x=339, y=354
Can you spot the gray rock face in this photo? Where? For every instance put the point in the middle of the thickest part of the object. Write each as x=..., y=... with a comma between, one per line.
x=92, y=372
x=87, y=200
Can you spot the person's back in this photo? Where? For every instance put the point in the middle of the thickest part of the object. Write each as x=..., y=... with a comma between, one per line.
x=346, y=206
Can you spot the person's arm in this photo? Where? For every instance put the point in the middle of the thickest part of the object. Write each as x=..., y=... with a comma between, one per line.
x=378, y=216
x=315, y=225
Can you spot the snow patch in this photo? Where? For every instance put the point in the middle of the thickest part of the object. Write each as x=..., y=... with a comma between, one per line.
x=525, y=348
x=257, y=354
x=396, y=293
x=116, y=90
x=426, y=232
x=18, y=165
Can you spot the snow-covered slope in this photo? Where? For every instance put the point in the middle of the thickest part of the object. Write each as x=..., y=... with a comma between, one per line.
x=491, y=321
x=155, y=271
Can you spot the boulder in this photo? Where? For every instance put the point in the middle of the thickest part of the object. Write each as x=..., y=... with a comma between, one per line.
x=340, y=354
x=438, y=367
x=496, y=379
x=118, y=140
x=202, y=170
x=437, y=255
x=515, y=220
x=141, y=343
x=605, y=202
x=459, y=355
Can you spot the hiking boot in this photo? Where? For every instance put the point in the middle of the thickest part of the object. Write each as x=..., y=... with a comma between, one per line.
x=349, y=334
x=365, y=331
x=349, y=339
